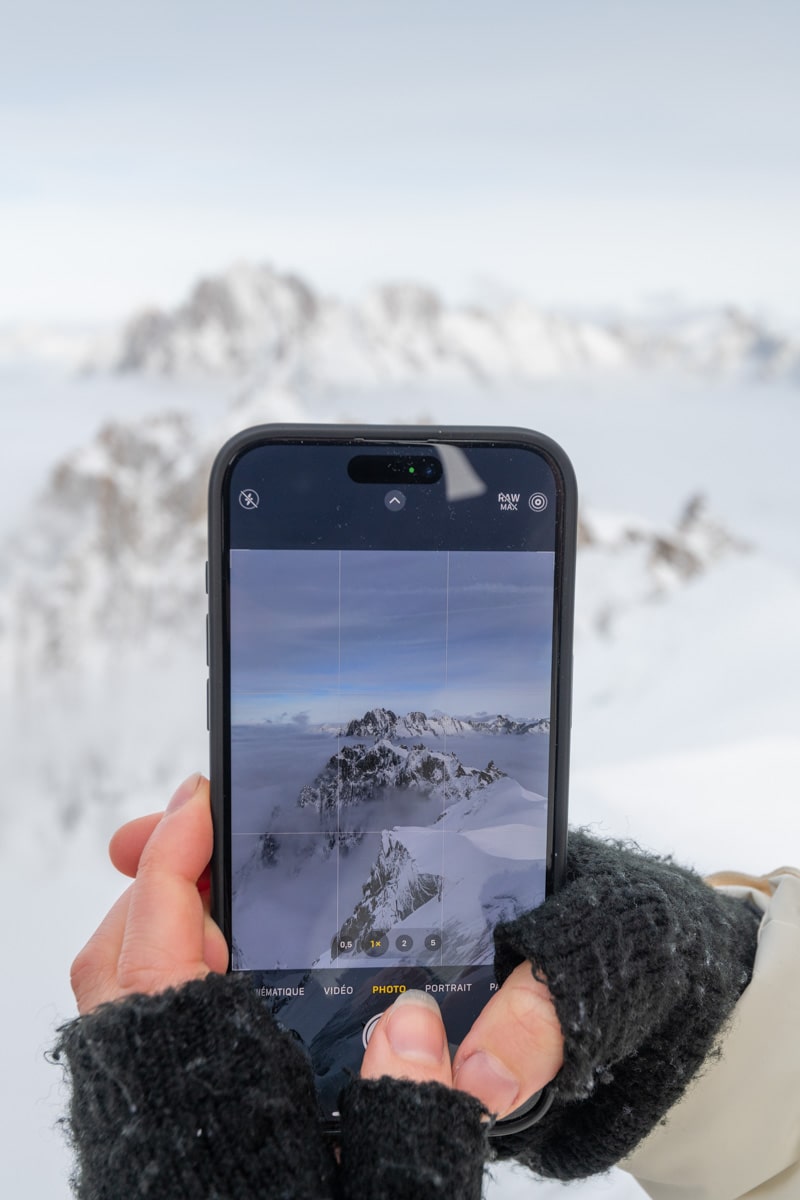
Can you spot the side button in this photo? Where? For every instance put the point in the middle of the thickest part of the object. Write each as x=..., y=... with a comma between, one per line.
x=206, y=576
x=207, y=643
x=208, y=706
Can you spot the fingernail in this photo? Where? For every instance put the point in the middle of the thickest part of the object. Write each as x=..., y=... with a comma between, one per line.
x=484, y=1076
x=185, y=792
x=414, y=1028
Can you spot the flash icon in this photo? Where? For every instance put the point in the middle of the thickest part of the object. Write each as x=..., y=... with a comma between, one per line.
x=248, y=498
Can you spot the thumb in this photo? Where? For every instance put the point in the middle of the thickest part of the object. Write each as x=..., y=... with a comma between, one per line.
x=515, y=1046
x=409, y=1042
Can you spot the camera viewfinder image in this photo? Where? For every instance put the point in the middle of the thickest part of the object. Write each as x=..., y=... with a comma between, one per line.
x=390, y=747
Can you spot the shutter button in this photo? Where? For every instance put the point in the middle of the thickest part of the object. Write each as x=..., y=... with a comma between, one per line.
x=366, y=1032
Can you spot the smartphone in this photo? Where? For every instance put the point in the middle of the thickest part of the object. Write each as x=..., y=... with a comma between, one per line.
x=390, y=651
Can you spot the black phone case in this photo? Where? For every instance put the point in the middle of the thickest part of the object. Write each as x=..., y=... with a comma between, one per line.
x=218, y=636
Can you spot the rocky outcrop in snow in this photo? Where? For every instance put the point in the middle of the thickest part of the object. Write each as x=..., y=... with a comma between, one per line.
x=358, y=774
x=625, y=561
x=112, y=554
x=395, y=889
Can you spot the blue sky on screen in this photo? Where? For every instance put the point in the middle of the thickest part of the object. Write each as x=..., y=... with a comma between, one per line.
x=580, y=153
x=401, y=630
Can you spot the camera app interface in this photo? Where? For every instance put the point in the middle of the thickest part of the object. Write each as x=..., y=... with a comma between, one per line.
x=390, y=738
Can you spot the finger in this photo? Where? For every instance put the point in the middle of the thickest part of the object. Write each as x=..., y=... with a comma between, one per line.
x=94, y=971
x=126, y=845
x=164, y=942
x=515, y=1046
x=215, y=948
x=409, y=1042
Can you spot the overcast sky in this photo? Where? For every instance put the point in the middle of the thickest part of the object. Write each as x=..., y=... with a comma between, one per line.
x=331, y=635
x=583, y=152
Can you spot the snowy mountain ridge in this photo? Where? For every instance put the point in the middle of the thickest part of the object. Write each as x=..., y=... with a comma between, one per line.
x=490, y=842
x=359, y=773
x=261, y=326
x=383, y=723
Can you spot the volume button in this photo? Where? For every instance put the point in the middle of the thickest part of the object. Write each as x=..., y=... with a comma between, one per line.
x=208, y=706
x=208, y=656
x=206, y=576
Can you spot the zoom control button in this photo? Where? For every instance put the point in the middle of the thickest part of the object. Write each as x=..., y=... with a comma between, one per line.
x=376, y=944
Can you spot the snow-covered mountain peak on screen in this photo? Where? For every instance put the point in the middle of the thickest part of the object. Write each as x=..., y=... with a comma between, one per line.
x=357, y=774
x=259, y=325
x=380, y=723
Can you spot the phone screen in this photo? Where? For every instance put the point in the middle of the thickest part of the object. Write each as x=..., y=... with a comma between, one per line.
x=389, y=698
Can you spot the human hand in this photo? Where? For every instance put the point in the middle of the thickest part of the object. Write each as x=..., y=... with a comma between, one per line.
x=514, y=1047
x=159, y=933
x=408, y=1088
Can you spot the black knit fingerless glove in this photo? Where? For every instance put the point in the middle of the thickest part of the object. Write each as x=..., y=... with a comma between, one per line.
x=402, y=1139
x=192, y=1093
x=197, y=1093
x=645, y=963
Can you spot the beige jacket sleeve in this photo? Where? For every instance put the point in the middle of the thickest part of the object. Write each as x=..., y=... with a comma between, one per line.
x=735, y=1135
